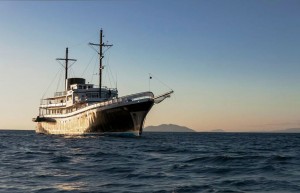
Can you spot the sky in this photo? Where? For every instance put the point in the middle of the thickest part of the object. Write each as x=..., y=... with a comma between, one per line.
x=234, y=65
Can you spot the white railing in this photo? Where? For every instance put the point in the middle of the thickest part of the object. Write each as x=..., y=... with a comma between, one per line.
x=128, y=98
x=124, y=99
x=63, y=93
x=53, y=105
x=138, y=96
x=116, y=101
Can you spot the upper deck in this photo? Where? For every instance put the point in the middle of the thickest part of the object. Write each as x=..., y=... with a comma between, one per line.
x=78, y=93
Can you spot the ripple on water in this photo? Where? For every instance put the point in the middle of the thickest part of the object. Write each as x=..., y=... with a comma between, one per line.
x=156, y=162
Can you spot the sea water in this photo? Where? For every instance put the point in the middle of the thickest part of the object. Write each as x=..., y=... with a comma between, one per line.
x=155, y=162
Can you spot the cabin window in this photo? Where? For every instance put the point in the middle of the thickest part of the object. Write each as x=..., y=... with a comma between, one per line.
x=79, y=87
x=84, y=87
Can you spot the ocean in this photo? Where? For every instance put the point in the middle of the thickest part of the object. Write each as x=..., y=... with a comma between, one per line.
x=155, y=162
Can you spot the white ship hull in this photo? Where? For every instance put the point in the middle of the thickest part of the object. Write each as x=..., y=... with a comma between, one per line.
x=114, y=118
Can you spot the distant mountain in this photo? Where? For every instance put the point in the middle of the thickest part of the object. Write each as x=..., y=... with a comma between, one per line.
x=168, y=128
x=290, y=130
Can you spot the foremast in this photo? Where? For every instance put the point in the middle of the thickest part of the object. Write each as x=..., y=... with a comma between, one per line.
x=67, y=59
x=101, y=56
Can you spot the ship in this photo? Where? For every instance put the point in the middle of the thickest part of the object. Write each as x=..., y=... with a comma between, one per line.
x=84, y=108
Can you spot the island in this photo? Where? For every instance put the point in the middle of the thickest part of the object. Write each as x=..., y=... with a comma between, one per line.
x=290, y=130
x=168, y=128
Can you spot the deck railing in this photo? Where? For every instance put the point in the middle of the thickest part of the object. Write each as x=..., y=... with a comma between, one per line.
x=124, y=99
x=63, y=93
x=128, y=98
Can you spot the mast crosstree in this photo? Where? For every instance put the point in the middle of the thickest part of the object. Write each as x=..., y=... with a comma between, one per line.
x=67, y=59
x=101, y=56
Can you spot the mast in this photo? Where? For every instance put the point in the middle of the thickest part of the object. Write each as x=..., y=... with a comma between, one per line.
x=101, y=56
x=66, y=65
x=100, y=63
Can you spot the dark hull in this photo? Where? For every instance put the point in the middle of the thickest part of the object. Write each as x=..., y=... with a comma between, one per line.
x=122, y=119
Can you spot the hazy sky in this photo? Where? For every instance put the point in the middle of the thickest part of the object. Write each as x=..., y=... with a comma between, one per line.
x=234, y=65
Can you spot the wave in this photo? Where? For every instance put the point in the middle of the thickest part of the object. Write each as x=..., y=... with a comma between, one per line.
x=153, y=163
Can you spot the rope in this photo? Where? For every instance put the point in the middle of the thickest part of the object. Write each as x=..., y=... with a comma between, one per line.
x=71, y=70
x=88, y=65
x=109, y=73
x=58, y=81
x=106, y=49
x=152, y=76
x=59, y=70
x=93, y=73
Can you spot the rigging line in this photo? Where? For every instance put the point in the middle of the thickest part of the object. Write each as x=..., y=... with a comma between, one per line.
x=72, y=64
x=60, y=63
x=64, y=65
x=108, y=75
x=104, y=78
x=109, y=79
x=88, y=65
x=106, y=49
x=58, y=81
x=93, y=73
x=94, y=49
x=59, y=70
x=116, y=81
x=151, y=76
x=109, y=68
x=72, y=71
